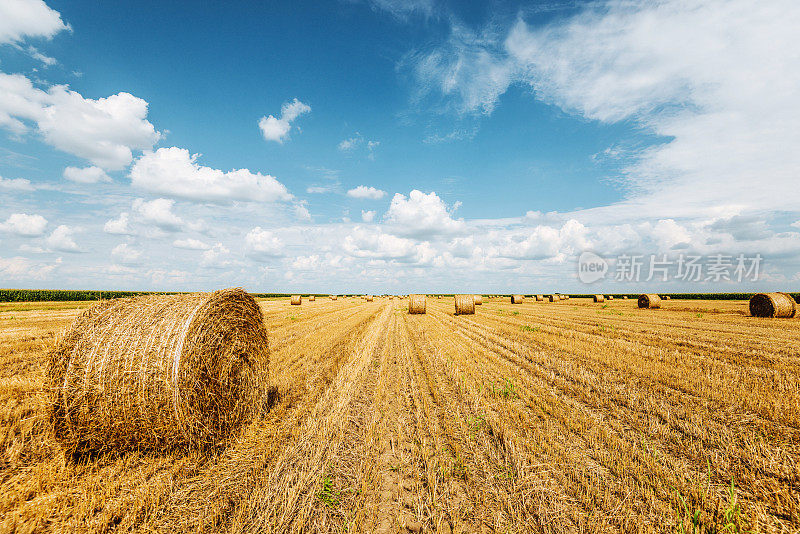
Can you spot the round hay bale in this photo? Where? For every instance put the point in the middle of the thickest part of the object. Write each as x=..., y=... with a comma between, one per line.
x=465, y=304
x=666, y=297
x=416, y=303
x=478, y=300
x=369, y=298
x=562, y=297
x=773, y=305
x=517, y=299
x=297, y=300
x=610, y=297
x=312, y=298
x=624, y=297
x=539, y=298
x=651, y=301
x=598, y=298
x=333, y=297
x=159, y=371
x=551, y=298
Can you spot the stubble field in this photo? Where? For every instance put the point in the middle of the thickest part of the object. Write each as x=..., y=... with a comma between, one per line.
x=538, y=417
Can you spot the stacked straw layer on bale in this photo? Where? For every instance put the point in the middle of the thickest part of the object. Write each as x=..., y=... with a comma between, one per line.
x=312, y=298
x=649, y=301
x=478, y=300
x=598, y=298
x=539, y=298
x=416, y=303
x=159, y=371
x=773, y=305
x=296, y=300
x=517, y=299
x=465, y=304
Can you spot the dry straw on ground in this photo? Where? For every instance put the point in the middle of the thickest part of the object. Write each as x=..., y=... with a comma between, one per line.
x=478, y=300
x=159, y=371
x=416, y=303
x=296, y=300
x=649, y=301
x=517, y=299
x=465, y=304
x=598, y=298
x=773, y=305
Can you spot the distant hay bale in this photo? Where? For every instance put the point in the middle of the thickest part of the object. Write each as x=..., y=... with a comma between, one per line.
x=297, y=300
x=465, y=304
x=438, y=296
x=517, y=299
x=562, y=297
x=312, y=298
x=773, y=305
x=598, y=298
x=478, y=300
x=333, y=297
x=666, y=297
x=624, y=297
x=651, y=301
x=159, y=371
x=610, y=297
x=552, y=298
x=539, y=298
x=416, y=303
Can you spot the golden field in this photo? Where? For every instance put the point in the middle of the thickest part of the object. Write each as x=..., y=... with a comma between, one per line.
x=537, y=417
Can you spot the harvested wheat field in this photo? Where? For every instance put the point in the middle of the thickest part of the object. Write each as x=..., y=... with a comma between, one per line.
x=526, y=418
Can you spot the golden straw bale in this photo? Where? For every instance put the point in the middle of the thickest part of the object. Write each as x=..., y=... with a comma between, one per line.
x=465, y=304
x=539, y=298
x=416, y=303
x=369, y=298
x=773, y=305
x=517, y=299
x=296, y=300
x=478, y=300
x=651, y=301
x=159, y=371
x=610, y=297
x=598, y=298
x=333, y=297
x=312, y=298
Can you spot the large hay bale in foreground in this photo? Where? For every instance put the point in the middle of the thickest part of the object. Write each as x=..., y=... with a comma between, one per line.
x=312, y=298
x=517, y=299
x=598, y=298
x=539, y=298
x=296, y=300
x=651, y=301
x=465, y=304
x=159, y=371
x=773, y=305
x=416, y=303
x=478, y=300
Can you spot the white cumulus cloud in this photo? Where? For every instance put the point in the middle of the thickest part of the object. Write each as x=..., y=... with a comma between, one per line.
x=159, y=213
x=421, y=215
x=119, y=225
x=125, y=253
x=104, y=131
x=277, y=129
x=364, y=192
x=25, y=225
x=190, y=244
x=263, y=243
x=175, y=172
x=61, y=239
x=86, y=175
x=21, y=19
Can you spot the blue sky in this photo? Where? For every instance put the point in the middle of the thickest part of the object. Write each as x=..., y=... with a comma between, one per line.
x=391, y=146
